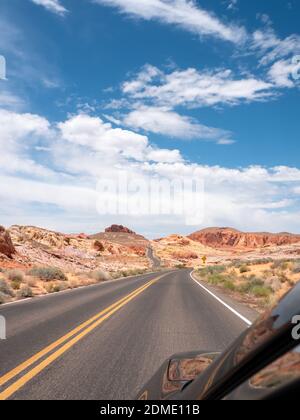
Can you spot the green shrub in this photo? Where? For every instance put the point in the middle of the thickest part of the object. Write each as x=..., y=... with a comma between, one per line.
x=48, y=273
x=208, y=271
x=216, y=279
x=25, y=292
x=229, y=285
x=261, y=291
x=5, y=289
x=255, y=287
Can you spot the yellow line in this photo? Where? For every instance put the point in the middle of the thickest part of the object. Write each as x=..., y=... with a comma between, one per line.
x=12, y=389
x=19, y=369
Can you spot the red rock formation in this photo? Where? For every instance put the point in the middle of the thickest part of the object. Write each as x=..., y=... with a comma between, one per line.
x=224, y=238
x=98, y=246
x=6, y=246
x=119, y=229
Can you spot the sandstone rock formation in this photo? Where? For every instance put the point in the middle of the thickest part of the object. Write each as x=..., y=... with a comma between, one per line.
x=119, y=229
x=227, y=238
x=37, y=246
x=6, y=246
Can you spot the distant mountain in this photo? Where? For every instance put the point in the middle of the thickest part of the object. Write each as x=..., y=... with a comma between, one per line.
x=228, y=238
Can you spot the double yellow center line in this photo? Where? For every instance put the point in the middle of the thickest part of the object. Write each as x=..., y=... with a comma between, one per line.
x=69, y=339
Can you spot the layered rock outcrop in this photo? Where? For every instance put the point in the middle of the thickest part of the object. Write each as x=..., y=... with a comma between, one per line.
x=224, y=238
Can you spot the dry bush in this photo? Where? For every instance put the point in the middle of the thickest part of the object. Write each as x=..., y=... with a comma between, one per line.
x=48, y=273
x=25, y=292
x=99, y=276
x=55, y=287
x=30, y=281
x=5, y=289
x=3, y=298
x=15, y=276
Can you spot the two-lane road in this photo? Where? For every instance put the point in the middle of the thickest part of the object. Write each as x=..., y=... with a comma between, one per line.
x=106, y=341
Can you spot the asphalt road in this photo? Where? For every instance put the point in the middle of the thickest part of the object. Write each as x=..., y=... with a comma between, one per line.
x=119, y=347
x=156, y=262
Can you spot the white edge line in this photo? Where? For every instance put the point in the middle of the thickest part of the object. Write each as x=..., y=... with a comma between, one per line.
x=249, y=323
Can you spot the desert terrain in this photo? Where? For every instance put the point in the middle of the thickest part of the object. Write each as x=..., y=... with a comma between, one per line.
x=255, y=267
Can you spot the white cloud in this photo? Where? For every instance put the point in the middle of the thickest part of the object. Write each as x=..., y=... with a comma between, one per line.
x=52, y=5
x=281, y=73
x=61, y=187
x=114, y=143
x=186, y=14
x=9, y=100
x=195, y=88
x=18, y=134
x=167, y=122
x=271, y=48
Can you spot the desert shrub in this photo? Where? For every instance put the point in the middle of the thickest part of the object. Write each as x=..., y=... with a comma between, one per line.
x=229, y=285
x=255, y=287
x=262, y=261
x=244, y=269
x=3, y=298
x=16, y=276
x=280, y=264
x=99, y=275
x=5, y=289
x=216, y=279
x=238, y=263
x=31, y=282
x=209, y=271
x=25, y=292
x=48, y=273
x=15, y=284
x=55, y=287
x=261, y=291
x=296, y=268
x=180, y=266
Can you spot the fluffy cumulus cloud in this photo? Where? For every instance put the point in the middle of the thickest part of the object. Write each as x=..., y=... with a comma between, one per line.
x=186, y=14
x=52, y=5
x=51, y=170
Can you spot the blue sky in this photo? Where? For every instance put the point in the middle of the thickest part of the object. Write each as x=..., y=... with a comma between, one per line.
x=204, y=89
